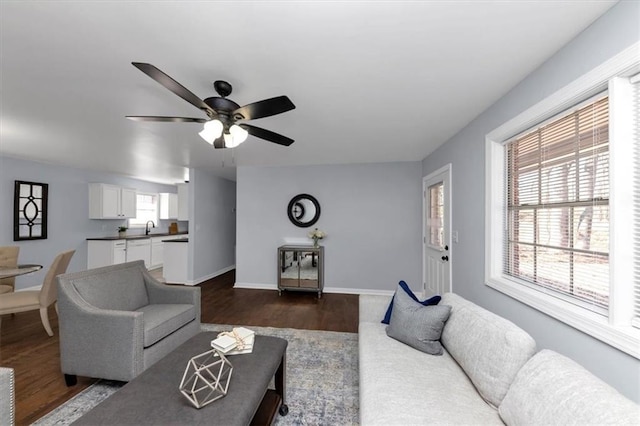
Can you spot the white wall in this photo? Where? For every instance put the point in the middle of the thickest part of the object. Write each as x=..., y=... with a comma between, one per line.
x=616, y=30
x=371, y=213
x=213, y=232
x=68, y=219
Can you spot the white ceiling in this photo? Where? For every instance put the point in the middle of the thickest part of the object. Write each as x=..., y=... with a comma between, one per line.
x=372, y=81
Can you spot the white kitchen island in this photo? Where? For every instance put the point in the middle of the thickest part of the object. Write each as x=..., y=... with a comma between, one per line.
x=175, y=260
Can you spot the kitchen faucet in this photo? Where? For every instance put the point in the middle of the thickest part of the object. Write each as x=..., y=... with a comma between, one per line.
x=146, y=227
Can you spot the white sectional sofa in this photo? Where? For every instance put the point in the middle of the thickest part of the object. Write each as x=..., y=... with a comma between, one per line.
x=489, y=373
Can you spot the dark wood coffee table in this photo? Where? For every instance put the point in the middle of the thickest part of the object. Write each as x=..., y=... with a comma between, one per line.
x=154, y=396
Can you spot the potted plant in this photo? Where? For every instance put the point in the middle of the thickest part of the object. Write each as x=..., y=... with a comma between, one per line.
x=122, y=231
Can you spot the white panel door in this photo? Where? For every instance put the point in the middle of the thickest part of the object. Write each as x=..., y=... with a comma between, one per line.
x=437, y=232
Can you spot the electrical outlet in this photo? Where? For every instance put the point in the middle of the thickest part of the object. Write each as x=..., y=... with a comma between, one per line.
x=454, y=235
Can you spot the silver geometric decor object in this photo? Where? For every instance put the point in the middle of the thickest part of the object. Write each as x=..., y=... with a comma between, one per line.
x=206, y=378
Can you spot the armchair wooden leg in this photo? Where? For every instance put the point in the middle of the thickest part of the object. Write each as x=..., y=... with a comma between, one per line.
x=71, y=379
x=44, y=316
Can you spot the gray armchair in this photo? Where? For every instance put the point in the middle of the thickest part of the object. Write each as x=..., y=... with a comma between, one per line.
x=7, y=397
x=116, y=321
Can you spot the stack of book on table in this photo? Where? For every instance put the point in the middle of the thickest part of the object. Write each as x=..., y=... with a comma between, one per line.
x=238, y=341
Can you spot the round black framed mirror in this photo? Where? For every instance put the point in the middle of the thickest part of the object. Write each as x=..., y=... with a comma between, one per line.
x=303, y=210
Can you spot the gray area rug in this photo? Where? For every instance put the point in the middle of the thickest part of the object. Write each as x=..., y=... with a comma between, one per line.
x=322, y=380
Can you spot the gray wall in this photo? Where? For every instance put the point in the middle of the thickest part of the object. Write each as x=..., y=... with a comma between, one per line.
x=616, y=30
x=68, y=219
x=371, y=213
x=212, y=236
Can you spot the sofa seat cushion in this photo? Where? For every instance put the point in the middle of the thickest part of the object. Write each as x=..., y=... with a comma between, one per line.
x=553, y=389
x=489, y=348
x=163, y=319
x=400, y=385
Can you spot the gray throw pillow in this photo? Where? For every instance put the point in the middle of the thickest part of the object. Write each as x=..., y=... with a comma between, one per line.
x=416, y=325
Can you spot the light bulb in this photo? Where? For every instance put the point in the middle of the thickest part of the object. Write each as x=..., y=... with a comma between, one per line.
x=211, y=131
x=229, y=141
x=239, y=134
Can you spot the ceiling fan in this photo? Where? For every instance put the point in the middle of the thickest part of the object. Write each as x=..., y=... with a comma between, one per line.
x=222, y=128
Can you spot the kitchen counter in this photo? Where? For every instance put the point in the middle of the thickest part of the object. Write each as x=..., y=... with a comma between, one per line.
x=137, y=237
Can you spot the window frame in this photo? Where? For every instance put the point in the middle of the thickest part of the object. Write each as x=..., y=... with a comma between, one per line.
x=157, y=216
x=614, y=328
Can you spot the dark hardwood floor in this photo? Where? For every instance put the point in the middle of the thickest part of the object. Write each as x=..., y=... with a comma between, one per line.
x=35, y=357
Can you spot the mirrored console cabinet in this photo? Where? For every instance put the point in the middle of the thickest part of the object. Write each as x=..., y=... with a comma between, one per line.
x=301, y=268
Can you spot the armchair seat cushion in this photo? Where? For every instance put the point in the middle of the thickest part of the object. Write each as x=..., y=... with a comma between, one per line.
x=160, y=320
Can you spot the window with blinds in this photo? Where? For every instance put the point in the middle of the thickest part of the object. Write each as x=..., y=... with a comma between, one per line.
x=147, y=209
x=557, y=215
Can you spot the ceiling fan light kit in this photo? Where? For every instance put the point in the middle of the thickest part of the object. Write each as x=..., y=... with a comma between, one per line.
x=237, y=136
x=220, y=129
x=211, y=131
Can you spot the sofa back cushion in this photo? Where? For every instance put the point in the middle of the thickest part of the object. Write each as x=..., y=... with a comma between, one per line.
x=118, y=287
x=490, y=349
x=552, y=389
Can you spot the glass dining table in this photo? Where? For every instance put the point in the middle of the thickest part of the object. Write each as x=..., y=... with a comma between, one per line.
x=19, y=270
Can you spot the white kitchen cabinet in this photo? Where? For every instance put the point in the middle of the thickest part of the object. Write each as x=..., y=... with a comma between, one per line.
x=105, y=253
x=139, y=249
x=183, y=201
x=111, y=201
x=158, y=249
x=176, y=263
x=157, y=252
x=168, y=206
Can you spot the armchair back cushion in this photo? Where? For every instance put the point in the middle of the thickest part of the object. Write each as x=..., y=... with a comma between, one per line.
x=125, y=291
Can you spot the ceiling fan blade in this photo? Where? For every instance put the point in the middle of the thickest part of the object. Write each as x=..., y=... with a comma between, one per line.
x=265, y=108
x=267, y=135
x=172, y=85
x=166, y=119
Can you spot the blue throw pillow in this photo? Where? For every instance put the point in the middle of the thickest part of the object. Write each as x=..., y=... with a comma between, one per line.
x=432, y=301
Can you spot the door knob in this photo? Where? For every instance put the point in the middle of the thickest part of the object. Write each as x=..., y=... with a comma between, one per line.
x=445, y=258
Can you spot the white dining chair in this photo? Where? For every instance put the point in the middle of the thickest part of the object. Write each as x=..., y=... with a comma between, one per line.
x=30, y=300
x=8, y=259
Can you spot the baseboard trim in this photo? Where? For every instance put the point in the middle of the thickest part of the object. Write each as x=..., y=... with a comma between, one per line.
x=338, y=290
x=256, y=286
x=345, y=290
x=208, y=277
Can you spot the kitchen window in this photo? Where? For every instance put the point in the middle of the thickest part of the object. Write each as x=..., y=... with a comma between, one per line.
x=147, y=209
x=563, y=204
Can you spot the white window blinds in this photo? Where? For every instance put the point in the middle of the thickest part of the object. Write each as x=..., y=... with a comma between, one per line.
x=557, y=215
